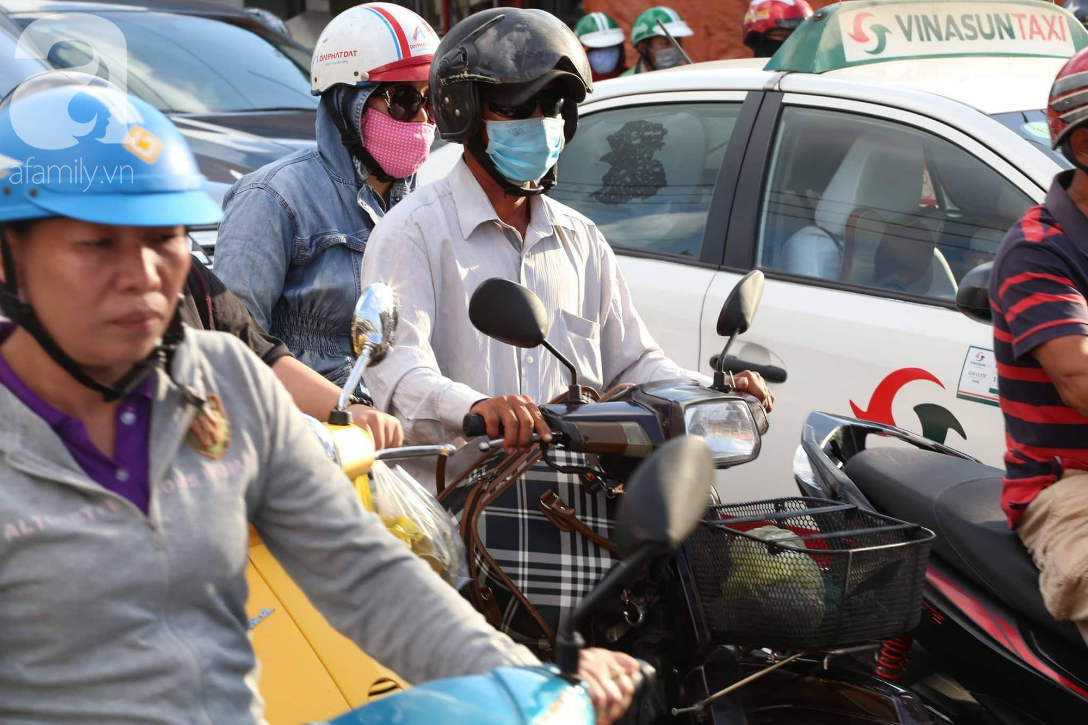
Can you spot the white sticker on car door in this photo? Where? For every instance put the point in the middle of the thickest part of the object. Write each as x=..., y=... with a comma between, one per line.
x=978, y=378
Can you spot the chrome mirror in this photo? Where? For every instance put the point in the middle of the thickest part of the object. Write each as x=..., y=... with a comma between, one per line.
x=374, y=321
x=373, y=330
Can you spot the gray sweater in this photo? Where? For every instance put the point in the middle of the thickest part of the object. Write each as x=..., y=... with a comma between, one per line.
x=108, y=616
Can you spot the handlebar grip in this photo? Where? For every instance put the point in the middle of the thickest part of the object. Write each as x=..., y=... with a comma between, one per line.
x=474, y=426
x=648, y=676
x=759, y=413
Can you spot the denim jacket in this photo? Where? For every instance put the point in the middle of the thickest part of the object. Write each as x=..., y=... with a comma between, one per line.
x=291, y=244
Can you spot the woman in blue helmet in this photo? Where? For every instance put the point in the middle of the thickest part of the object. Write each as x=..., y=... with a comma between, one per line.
x=133, y=452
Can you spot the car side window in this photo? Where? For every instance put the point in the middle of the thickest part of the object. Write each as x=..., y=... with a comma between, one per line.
x=855, y=199
x=645, y=174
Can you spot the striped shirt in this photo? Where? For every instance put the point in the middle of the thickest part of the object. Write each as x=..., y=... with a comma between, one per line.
x=1037, y=291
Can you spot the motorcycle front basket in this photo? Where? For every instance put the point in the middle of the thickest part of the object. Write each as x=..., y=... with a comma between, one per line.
x=806, y=574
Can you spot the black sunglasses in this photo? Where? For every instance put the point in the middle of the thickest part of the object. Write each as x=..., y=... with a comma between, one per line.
x=404, y=102
x=550, y=104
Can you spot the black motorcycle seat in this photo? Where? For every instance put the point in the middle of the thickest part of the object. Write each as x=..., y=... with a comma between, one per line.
x=959, y=500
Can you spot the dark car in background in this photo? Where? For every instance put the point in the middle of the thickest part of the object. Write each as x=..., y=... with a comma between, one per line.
x=238, y=91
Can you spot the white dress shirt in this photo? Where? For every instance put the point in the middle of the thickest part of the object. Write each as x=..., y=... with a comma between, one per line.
x=436, y=247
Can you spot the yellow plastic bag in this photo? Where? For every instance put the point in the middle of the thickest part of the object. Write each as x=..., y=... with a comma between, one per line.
x=415, y=517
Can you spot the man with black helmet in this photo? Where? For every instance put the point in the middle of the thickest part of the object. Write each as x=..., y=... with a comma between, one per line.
x=506, y=83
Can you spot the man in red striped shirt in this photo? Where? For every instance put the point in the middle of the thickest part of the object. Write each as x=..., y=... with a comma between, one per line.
x=1037, y=291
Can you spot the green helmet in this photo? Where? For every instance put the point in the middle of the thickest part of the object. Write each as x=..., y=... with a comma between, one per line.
x=646, y=24
x=599, y=30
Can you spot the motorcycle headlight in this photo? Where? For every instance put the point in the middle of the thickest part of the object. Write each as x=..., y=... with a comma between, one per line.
x=326, y=439
x=728, y=427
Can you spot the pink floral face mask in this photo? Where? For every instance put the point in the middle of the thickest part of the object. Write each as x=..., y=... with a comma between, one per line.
x=399, y=147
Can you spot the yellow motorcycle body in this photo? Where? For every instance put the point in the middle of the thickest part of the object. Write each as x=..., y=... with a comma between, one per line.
x=309, y=671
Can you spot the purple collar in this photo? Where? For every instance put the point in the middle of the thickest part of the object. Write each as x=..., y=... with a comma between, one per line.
x=128, y=472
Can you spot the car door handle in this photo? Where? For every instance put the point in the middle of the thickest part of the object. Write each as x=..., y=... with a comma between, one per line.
x=770, y=373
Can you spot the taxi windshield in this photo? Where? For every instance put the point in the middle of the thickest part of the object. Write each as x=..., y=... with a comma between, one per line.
x=1031, y=125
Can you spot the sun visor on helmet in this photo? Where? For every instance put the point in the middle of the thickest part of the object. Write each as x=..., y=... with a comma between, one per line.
x=514, y=94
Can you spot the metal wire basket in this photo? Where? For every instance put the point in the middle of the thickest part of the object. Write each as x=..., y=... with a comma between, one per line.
x=805, y=573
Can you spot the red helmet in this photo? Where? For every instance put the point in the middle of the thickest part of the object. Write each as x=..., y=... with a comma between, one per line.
x=1067, y=109
x=765, y=15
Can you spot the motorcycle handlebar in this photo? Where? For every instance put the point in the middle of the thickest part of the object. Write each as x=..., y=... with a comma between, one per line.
x=475, y=426
x=647, y=677
x=572, y=435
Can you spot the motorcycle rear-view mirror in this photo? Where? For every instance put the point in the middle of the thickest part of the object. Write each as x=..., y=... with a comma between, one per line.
x=973, y=295
x=663, y=502
x=373, y=331
x=736, y=317
x=740, y=307
x=374, y=322
x=509, y=313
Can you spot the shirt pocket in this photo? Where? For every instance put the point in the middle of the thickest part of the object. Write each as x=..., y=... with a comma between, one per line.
x=581, y=343
x=324, y=241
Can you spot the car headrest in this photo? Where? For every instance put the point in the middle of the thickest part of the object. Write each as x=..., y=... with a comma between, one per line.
x=880, y=172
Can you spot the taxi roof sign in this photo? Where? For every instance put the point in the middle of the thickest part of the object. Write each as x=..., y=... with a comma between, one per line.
x=872, y=31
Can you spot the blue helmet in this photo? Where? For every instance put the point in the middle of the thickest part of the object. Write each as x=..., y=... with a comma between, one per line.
x=73, y=145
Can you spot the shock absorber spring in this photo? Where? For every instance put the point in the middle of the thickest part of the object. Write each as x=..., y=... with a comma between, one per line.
x=892, y=661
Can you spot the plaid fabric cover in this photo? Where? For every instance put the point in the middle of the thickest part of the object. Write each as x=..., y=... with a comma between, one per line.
x=554, y=569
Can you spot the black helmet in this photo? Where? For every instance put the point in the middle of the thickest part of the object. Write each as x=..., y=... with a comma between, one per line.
x=521, y=50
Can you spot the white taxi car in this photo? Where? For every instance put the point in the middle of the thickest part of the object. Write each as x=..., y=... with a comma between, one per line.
x=880, y=155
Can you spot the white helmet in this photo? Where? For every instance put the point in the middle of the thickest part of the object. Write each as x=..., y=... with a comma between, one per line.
x=372, y=43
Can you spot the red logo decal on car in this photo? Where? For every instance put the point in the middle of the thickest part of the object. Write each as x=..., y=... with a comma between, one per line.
x=936, y=420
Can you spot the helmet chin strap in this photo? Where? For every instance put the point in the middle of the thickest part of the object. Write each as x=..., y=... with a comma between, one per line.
x=24, y=315
x=478, y=150
x=373, y=166
x=350, y=137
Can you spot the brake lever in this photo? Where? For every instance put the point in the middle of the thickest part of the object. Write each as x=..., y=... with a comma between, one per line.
x=490, y=445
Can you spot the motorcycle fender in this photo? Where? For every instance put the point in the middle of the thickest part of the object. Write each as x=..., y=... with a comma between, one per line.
x=308, y=671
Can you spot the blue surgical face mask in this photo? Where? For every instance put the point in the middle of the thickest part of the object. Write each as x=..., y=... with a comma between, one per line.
x=525, y=150
x=604, y=60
